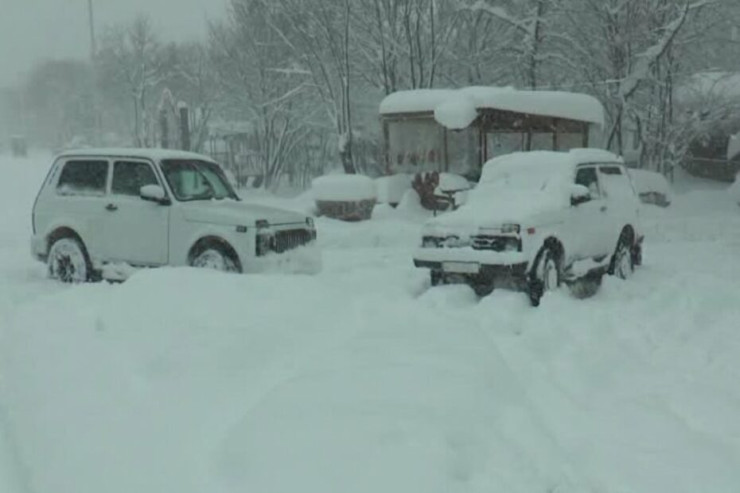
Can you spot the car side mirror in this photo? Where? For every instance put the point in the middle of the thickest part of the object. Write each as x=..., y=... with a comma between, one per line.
x=579, y=195
x=154, y=193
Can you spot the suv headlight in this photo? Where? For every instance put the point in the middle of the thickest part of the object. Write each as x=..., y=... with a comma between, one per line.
x=310, y=222
x=264, y=238
x=431, y=242
x=264, y=242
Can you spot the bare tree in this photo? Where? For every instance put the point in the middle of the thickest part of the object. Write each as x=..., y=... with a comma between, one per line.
x=318, y=35
x=192, y=80
x=247, y=53
x=131, y=60
x=404, y=44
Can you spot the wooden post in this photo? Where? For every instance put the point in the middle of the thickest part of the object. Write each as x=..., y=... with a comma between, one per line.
x=184, y=128
x=446, y=153
x=164, y=129
x=386, y=145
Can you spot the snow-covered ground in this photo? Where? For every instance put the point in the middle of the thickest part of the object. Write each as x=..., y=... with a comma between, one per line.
x=361, y=379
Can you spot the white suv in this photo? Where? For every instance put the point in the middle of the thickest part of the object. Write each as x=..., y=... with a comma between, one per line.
x=536, y=220
x=101, y=212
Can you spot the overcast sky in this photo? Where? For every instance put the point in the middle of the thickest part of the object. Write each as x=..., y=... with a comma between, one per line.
x=33, y=30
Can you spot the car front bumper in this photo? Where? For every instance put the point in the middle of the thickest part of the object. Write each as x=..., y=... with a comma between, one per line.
x=468, y=255
x=505, y=269
x=482, y=270
x=302, y=260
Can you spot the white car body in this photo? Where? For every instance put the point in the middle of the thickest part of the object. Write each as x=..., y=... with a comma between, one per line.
x=522, y=204
x=117, y=225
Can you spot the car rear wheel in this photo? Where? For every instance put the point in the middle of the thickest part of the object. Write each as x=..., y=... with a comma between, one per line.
x=68, y=261
x=214, y=258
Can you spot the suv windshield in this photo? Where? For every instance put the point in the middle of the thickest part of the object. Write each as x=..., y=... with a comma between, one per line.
x=197, y=180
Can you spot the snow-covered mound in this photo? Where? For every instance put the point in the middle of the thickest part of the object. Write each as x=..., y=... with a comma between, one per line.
x=390, y=189
x=452, y=182
x=339, y=188
x=652, y=186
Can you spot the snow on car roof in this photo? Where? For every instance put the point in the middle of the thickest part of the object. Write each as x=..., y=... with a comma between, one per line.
x=154, y=154
x=573, y=106
x=544, y=162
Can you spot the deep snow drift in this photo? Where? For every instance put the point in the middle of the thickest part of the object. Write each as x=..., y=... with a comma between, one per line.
x=361, y=379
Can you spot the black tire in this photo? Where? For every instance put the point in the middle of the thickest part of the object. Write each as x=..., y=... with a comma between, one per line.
x=482, y=288
x=215, y=256
x=545, y=276
x=436, y=278
x=637, y=255
x=623, y=261
x=68, y=261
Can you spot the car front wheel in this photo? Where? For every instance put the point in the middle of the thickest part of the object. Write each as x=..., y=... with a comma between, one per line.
x=623, y=261
x=215, y=259
x=545, y=277
x=68, y=261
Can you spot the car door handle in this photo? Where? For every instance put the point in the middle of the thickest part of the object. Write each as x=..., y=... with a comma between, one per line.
x=111, y=207
x=603, y=208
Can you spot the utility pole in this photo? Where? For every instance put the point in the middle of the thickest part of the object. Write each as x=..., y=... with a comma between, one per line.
x=91, y=19
x=97, y=120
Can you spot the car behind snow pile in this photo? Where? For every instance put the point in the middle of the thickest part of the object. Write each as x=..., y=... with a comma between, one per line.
x=536, y=220
x=652, y=187
x=101, y=212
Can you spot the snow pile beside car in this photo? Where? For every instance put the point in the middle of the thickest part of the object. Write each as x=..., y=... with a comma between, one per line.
x=346, y=197
x=343, y=188
x=390, y=189
x=652, y=187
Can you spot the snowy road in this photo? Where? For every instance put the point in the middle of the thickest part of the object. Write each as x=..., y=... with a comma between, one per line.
x=363, y=380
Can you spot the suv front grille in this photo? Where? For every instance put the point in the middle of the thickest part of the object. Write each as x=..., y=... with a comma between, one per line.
x=290, y=239
x=496, y=243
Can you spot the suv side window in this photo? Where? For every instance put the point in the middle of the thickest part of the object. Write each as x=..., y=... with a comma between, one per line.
x=589, y=179
x=83, y=178
x=611, y=170
x=130, y=176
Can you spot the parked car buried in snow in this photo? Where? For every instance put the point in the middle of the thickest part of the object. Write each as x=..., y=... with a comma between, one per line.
x=652, y=187
x=536, y=220
x=103, y=212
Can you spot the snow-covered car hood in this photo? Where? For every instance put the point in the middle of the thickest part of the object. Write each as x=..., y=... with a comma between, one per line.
x=231, y=212
x=505, y=207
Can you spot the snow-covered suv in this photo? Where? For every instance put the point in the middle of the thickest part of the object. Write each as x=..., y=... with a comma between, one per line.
x=536, y=220
x=101, y=212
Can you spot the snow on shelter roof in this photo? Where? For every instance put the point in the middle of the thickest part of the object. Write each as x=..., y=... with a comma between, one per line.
x=558, y=104
x=133, y=152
